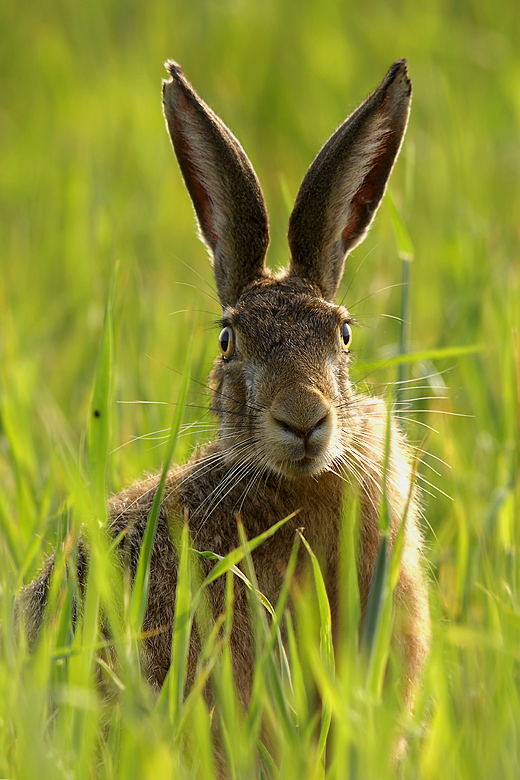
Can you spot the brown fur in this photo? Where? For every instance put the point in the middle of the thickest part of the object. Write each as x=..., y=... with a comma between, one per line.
x=293, y=431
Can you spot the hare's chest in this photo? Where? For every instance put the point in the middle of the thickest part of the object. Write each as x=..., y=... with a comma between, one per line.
x=271, y=560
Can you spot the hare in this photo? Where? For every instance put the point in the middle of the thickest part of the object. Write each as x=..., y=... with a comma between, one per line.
x=292, y=429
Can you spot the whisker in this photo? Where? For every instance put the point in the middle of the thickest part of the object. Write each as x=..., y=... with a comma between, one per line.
x=422, y=398
x=204, y=292
x=435, y=457
x=158, y=403
x=367, y=255
x=202, y=278
x=434, y=411
x=377, y=292
x=411, y=380
x=206, y=386
x=434, y=487
x=221, y=491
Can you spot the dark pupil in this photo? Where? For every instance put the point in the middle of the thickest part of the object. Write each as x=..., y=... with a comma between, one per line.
x=224, y=340
x=346, y=334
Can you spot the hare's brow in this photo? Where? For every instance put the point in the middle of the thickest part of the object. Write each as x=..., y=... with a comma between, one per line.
x=222, y=322
x=346, y=316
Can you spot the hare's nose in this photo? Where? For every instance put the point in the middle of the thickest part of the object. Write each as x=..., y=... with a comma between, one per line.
x=301, y=416
x=297, y=429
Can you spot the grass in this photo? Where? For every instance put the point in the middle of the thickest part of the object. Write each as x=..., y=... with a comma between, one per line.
x=88, y=184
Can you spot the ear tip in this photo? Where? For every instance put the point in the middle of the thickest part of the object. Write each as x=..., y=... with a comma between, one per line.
x=177, y=77
x=175, y=85
x=398, y=74
x=174, y=69
x=398, y=67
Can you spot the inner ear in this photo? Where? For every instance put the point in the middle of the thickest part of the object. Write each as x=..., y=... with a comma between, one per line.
x=343, y=188
x=194, y=180
x=223, y=186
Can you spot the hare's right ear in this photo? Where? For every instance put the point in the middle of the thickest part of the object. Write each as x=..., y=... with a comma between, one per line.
x=223, y=186
x=342, y=189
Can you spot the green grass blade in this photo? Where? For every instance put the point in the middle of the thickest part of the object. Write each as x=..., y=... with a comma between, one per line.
x=376, y=599
x=326, y=646
x=427, y=354
x=404, y=327
x=236, y=556
x=100, y=412
x=402, y=236
x=139, y=597
x=349, y=600
x=299, y=693
x=182, y=624
x=378, y=595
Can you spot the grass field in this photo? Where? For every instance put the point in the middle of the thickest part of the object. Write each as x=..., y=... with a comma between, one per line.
x=93, y=208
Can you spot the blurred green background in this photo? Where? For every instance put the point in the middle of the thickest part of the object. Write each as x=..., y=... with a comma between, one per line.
x=88, y=182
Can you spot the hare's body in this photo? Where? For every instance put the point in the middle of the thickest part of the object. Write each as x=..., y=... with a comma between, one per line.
x=319, y=502
x=293, y=435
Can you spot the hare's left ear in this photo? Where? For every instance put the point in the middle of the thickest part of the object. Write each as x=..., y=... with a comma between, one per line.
x=342, y=189
x=226, y=195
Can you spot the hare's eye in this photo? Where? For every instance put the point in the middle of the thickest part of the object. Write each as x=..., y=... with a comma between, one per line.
x=346, y=336
x=227, y=342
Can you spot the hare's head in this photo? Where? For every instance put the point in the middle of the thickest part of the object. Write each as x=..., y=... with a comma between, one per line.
x=281, y=385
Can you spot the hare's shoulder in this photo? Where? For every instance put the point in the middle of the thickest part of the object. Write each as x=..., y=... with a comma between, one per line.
x=128, y=511
x=374, y=419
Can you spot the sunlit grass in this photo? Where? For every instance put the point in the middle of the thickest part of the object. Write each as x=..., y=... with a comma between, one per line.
x=89, y=184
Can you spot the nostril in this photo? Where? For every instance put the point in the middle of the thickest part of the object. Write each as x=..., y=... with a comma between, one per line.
x=319, y=424
x=290, y=427
x=304, y=429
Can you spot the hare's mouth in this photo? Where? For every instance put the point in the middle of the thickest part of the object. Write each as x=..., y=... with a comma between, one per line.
x=308, y=466
x=293, y=457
